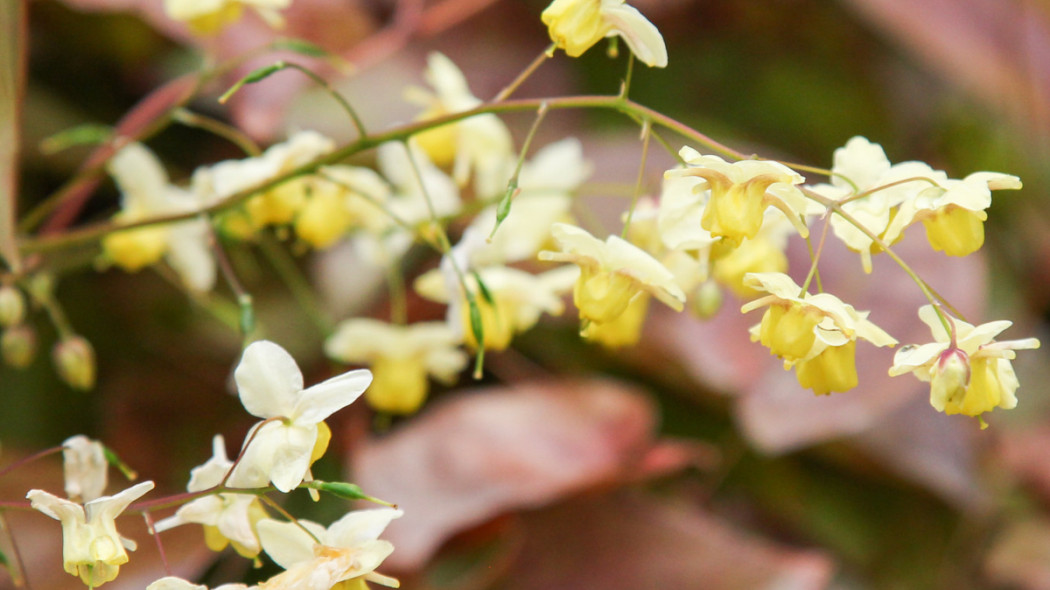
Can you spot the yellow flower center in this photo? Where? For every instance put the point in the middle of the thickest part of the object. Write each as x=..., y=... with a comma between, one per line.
x=955, y=231
x=601, y=296
x=399, y=384
x=736, y=209
x=832, y=370
x=757, y=255
x=788, y=330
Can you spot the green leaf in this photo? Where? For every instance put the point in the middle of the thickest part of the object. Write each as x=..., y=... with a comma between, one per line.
x=253, y=77
x=346, y=491
x=86, y=134
x=300, y=46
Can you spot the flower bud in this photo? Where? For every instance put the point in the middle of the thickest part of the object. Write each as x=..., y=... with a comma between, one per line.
x=12, y=306
x=706, y=300
x=18, y=346
x=74, y=360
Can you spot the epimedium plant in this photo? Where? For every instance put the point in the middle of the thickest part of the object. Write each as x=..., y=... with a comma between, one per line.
x=721, y=220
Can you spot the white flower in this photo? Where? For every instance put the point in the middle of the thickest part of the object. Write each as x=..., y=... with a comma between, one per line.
x=84, y=467
x=91, y=546
x=576, y=25
x=145, y=193
x=271, y=387
x=226, y=517
x=349, y=548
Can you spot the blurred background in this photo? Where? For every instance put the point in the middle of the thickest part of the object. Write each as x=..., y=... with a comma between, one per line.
x=691, y=460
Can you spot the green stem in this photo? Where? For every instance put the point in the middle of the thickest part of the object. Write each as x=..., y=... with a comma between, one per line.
x=638, y=180
x=293, y=278
x=218, y=128
x=524, y=75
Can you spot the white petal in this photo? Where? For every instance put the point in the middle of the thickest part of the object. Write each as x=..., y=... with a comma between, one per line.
x=641, y=36
x=268, y=380
x=359, y=526
x=322, y=400
x=286, y=543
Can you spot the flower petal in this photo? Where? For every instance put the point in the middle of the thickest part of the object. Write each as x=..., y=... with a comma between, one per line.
x=322, y=400
x=268, y=380
x=641, y=36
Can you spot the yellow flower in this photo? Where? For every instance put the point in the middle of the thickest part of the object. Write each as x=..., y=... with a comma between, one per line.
x=741, y=191
x=576, y=25
x=953, y=212
x=91, y=546
x=969, y=373
x=612, y=274
x=625, y=329
x=816, y=334
x=207, y=17
x=401, y=358
x=518, y=300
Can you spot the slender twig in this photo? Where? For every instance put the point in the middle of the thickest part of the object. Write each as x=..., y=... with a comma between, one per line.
x=218, y=128
x=30, y=459
x=156, y=537
x=636, y=193
x=524, y=75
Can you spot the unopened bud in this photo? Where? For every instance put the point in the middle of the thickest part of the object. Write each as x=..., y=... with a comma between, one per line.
x=951, y=377
x=74, y=360
x=706, y=300
x=18, y=346
x=12, y=306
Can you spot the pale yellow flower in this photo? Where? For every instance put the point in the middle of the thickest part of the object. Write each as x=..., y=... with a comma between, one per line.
x=91, y=546
x=145, y=193
x=577, y=25
x=207, y=17
x=480, y=145
x=816, y=334
x=518, y=300
x=741, y=191
x=969, y=374
x=612, y=274
x=400, y=357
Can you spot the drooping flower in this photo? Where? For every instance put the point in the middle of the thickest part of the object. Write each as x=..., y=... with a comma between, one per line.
x=228, y=518
x=577, y=25
x=401, y=358
x=293, y=434
x=146, y=192
x=84, y=468
x=207, y=17
x=816, y=334
x=741, y=191
x=91, y=546
x=953, y=212
x=969, y=373
x=612, y=274
x=318, y=558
